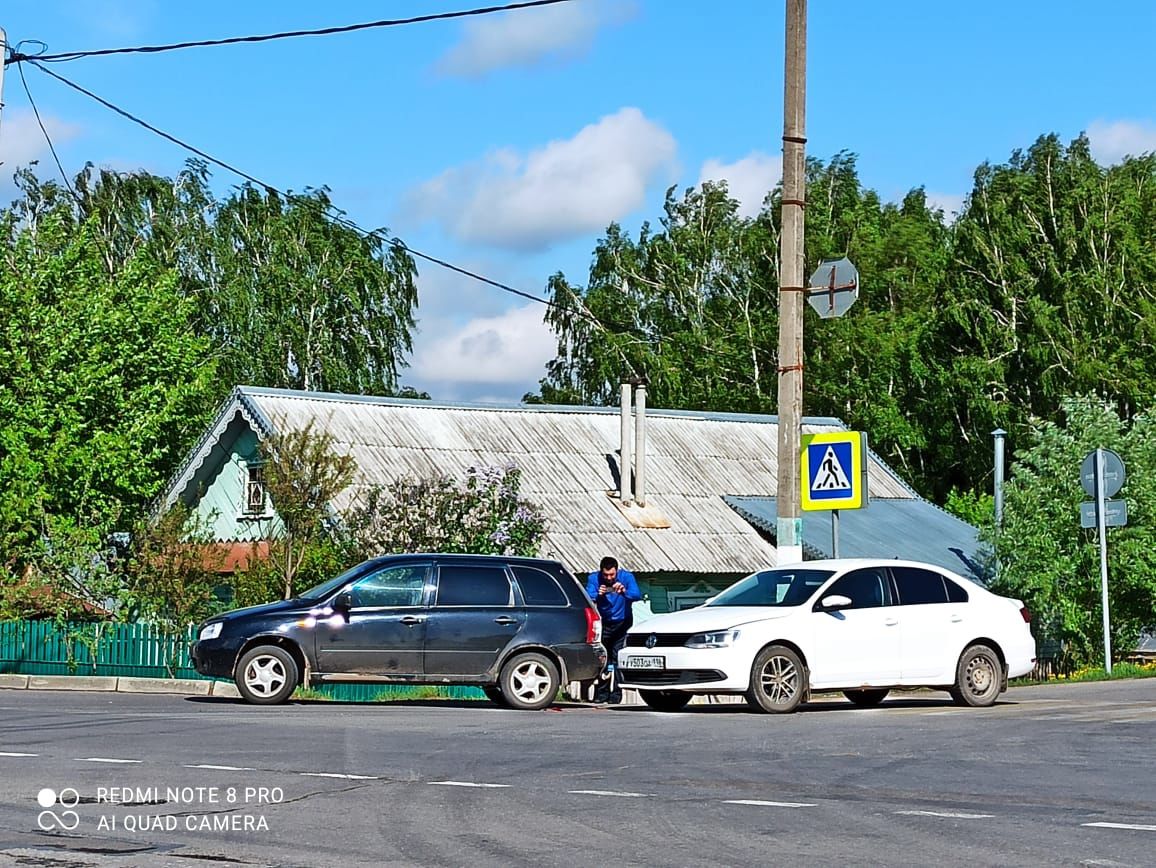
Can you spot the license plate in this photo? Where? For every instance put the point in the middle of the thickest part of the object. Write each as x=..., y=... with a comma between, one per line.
x=644, y=663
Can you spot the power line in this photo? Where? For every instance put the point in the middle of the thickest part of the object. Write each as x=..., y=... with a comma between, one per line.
x=16, y=57
x=337, y=216
x=47, y=138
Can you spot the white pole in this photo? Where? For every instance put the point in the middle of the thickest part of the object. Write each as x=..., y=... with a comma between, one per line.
x=1102, y=527
x=625, y=465
x=835, y=533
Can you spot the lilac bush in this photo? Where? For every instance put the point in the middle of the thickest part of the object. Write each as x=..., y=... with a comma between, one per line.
x=483, y=513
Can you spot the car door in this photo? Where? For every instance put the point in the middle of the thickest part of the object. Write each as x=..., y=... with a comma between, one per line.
x=931, y=625
x=383, y=634
x=858, y=645
x=472, y=619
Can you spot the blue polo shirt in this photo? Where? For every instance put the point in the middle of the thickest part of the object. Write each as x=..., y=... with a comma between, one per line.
x=613, y=606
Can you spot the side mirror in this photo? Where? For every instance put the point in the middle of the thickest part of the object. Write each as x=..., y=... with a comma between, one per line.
x=343, y=602
x=834, y=602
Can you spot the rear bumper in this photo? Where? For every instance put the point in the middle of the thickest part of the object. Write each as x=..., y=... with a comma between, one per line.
x=583, y=662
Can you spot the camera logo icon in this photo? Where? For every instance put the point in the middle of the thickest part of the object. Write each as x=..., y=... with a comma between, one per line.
x=49, y=819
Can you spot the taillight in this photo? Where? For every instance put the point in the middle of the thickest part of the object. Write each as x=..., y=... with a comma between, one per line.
x=593, y=626
x=1025, y=614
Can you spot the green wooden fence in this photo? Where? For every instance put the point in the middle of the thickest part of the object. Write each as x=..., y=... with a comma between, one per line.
x=145, y=651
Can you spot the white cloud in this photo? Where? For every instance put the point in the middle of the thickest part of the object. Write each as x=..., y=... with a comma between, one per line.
x=509, y=349
x=528, y=36
x=1112, y=141
x=950, y=203
x=749, y=179
x=568, y=188
x=22, y=141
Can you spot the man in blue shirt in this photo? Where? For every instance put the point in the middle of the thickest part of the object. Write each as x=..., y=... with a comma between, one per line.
x=614, y=591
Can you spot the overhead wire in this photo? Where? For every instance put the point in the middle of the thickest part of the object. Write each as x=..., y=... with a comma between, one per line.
x=334, y=214
x=64, y=57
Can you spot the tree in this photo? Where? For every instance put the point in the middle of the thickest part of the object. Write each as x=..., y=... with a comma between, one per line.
x=482, y=514
x=1054, y=566
x=303, y=475
x=296, y=299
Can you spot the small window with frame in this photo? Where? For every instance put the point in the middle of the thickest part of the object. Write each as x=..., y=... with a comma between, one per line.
x=254, y=501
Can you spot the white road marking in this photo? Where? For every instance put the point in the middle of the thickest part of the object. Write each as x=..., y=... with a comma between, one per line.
x=104, y=759
x=221, y=768
x=338, y=775
x=1136, y=827
x=762, y=803
x=609, y=793
x=16, y=753
x=468, y=784
x=950, y=814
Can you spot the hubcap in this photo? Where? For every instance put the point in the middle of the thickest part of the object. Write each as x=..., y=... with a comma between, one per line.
x=530, y=681
x=980, y=675
x=265, y=675
x=780, y=680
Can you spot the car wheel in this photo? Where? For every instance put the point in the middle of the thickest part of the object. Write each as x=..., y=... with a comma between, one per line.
x=494, y=694
x=978, y=677
x=266, y=675
x=665, y=700
x=778, y=680
x=529, y=681
x=866, y=698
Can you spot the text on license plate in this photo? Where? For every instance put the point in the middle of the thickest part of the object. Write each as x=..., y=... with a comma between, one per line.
x=644, y=663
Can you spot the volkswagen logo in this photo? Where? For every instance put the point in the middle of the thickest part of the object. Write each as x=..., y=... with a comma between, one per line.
x=651, y=640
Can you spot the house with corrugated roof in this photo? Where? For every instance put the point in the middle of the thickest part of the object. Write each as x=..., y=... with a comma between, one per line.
x=693, y=511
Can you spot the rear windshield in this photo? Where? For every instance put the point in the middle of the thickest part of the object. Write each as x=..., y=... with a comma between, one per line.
x=782, y=587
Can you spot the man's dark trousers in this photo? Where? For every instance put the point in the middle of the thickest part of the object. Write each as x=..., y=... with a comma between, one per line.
x=613, y=637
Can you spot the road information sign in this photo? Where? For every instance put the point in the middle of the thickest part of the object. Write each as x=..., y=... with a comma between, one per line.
x=834, y=471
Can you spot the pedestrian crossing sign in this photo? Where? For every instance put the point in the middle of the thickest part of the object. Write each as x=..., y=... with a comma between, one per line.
x=834, y=471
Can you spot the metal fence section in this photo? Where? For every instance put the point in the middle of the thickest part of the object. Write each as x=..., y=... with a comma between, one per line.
x=147, y=651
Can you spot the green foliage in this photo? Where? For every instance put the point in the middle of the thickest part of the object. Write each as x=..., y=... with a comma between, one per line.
x=302, y=475
x=173, y=571
x=484, y=514
x=974, y=508
x=1052, y=564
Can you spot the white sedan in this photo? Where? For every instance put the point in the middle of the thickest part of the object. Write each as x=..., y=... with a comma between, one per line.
x=858, y=626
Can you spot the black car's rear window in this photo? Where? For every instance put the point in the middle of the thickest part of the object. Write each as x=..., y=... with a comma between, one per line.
x=468, y=585
x=539, y=588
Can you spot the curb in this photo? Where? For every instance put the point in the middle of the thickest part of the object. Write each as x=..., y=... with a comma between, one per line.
x=115, y=684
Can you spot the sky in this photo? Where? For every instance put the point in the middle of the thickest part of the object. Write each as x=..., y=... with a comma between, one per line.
x=507, y=143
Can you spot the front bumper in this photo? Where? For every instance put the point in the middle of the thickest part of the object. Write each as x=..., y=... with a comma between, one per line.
x=702, y=670
x=216, y=657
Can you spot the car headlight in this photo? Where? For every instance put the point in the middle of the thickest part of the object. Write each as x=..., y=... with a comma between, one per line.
x=211, y=631
x=715, y=639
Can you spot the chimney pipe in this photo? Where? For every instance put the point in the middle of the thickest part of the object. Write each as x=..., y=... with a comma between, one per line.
x=640, y=444
x=624, y=448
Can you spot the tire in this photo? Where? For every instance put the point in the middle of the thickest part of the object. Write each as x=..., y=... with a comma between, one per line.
x=266, y=675
x=665, y=700
x=494, y=694
x=978, y=677
x=867, y=697
x=778, y=681
x=529, y=681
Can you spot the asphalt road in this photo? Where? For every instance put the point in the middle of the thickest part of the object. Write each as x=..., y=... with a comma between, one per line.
x=1062, y=775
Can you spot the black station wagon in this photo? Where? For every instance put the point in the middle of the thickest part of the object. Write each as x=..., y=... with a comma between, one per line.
x=516, y=627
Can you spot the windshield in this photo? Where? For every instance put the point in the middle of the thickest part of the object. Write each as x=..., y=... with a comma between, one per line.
x=318, y=592
x=784, y=587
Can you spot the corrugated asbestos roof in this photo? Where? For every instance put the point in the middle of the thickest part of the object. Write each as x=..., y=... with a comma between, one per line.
x=568, y=457
x=909, y=528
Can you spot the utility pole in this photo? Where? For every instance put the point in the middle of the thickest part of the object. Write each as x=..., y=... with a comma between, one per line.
x=3, y=58
x=791, y=289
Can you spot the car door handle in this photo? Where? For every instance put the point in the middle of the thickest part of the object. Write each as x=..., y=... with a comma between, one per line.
x=505, y=619
x=891, y=622
x=955, y=619
x=412, y=619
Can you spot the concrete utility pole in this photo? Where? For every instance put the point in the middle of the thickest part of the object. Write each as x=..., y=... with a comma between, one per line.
x=791, y=289
x=3, y=57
